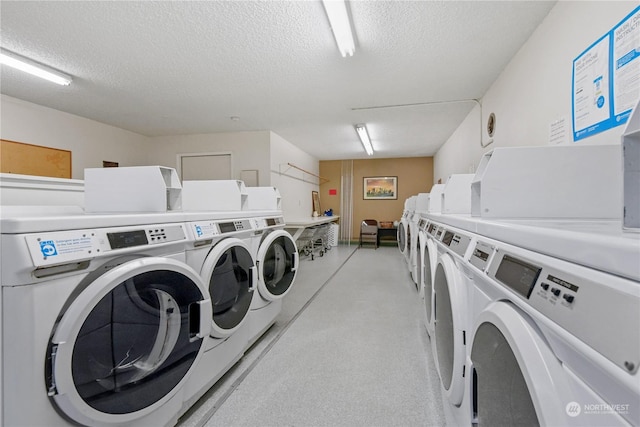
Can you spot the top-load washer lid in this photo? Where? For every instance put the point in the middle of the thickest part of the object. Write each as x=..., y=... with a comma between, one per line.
x=125, y=343
x=229, y=270
x=277, y=265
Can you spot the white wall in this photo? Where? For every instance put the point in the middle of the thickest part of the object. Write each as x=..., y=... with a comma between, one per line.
x=249, y=150
x=534, y=89
x=295, y=186
x=90, y=142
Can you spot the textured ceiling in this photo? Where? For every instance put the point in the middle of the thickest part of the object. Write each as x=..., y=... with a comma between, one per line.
x=187, y=67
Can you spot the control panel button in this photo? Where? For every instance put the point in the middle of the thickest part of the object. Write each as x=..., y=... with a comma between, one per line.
x=568, y=298
x=555, y=291
x=545, y=286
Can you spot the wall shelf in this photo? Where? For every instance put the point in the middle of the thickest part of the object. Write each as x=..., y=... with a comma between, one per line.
x=306, y=175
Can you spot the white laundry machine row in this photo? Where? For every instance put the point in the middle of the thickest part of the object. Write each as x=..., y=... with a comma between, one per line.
x=103, y=320
x=248, y=262
x=547, y=342
x=219, y=250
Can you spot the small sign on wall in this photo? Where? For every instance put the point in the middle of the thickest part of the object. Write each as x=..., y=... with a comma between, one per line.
x=333, y=192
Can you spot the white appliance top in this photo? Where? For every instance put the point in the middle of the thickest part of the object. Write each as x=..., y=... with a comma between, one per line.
x=599, y=244
x=35, y=219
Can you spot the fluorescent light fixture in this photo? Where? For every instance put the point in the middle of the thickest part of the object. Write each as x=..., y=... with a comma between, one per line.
x=29, y=66
x=340, y=25
x=364, y=138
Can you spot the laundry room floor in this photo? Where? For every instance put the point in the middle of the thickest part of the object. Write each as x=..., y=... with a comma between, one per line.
x=348, y=349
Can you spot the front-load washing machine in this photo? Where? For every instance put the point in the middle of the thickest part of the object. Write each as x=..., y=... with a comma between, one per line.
x=276, y=257
x=404, y=230
x=220, y=251
x=554, y=342
x=429, y=258
x=423, y=224
x=452, y=286
x=102, y=319
x=422, y=205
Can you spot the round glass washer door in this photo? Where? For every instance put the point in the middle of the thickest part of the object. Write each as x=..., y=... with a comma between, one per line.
x=125, y=343
x=277, y=265
x=230, y=273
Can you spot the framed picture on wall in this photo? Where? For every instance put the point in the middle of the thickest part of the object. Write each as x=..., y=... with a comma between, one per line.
x=380, y=188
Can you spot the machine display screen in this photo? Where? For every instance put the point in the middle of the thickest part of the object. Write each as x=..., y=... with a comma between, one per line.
x=448, y=237
x=431, y=228
x=271, y=222
x=518, y=275
x=227, y=227
x=127, y=239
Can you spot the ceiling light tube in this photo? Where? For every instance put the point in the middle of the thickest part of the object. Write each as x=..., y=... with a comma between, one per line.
x=364, y=138
x=29, y=66
x=340, y=25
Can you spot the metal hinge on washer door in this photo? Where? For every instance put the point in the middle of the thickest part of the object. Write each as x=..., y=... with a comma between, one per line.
x=51, y=386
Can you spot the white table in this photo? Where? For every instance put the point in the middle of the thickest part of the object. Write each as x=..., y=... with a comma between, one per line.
x=296, y=226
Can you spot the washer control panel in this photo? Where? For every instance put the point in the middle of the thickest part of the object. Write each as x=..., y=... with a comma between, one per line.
x=76, y=245
x=233, y=226
x=598, y=308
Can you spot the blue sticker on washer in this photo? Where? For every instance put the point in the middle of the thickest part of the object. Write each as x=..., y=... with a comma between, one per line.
x=48, y=248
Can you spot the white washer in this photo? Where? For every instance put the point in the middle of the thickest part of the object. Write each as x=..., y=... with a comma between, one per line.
x=103, y=320
x=423, y=238
x=277, y=261
x=429, y=258
x=452, y=287
x=415, y=267
x=554, y=342
x=404, y=230
x=220, y=251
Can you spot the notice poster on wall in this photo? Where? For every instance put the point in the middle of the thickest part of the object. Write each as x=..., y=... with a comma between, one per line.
x=606, y=79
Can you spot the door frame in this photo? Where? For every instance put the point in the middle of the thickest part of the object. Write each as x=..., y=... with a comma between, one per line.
x=180, y=156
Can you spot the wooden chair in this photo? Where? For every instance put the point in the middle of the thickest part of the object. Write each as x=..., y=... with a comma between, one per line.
x=369, y=232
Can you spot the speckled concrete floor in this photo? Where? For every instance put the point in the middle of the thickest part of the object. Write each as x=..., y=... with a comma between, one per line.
x=356, y=355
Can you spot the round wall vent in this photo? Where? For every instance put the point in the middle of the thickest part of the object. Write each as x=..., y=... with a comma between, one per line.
x=491, y=124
